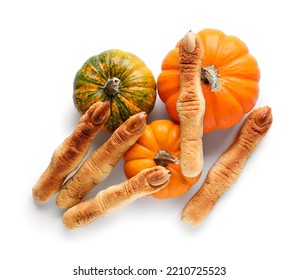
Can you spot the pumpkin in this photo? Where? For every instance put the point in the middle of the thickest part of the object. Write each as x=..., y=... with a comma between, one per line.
x=230, y=79
x=159, y=145
x=119, y=77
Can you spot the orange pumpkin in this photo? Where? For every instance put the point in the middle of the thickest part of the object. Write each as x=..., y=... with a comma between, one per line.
x=230, y=80
x=159, y=145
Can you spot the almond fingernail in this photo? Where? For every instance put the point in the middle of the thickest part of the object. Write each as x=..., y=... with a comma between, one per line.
x=101, y=113
x=136, y=121
x=159, y=177
x=264, y=116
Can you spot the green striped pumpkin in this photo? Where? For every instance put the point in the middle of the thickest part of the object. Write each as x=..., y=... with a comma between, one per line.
x=119, y=77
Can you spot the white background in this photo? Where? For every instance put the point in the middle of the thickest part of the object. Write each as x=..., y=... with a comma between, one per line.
x=252, y=231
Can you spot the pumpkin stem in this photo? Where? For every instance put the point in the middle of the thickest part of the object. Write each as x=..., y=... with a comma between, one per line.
x=111, y=87
x=163, y=158
x=210, y=75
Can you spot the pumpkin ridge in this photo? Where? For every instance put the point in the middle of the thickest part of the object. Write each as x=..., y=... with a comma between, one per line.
x=219, y=49
x=240, y=67
x=172, y=142
x=113, y=66
x=123, y=108
x=96, y=94
x=225, y=55
x=102, y=96
x=153, y=136
x=140, y=150
x=241, y=47
x=209, y=49
x=108, y=63
x=124, y=89
x=129, y=92
x=85, y=76
x=99, y=71
x=133, y=79
x=247, y=101
x=136, y=67
x=142, y=104
x=234, y=78
x=170, y=62
x=130, y=73
x=236, y=101
x=115, y=119
x=178, y=140
x=234, y=112
x=120, y=74
x=159, y=136
x=132, y=101
x=90, y=92
x=137, y=94
x=126, y=68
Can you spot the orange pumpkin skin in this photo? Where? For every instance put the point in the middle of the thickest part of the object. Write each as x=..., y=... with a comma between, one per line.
x=238, y=80
x=160, y=135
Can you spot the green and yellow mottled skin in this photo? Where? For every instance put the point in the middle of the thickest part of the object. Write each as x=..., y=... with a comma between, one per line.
x=135, y=92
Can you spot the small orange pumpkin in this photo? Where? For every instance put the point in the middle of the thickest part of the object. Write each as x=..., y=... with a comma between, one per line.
x=230, y=77
x=159, y=145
